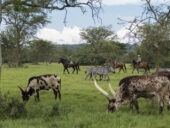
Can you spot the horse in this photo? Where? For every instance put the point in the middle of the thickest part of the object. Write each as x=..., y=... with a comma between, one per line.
x=120, y=65
x=143, y=65
x=67, y=64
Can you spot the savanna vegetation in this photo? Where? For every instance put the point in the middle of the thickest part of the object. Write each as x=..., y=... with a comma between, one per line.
x=81, y=105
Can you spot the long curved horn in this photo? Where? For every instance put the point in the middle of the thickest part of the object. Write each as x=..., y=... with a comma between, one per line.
x=112, y=91
x=102, y=91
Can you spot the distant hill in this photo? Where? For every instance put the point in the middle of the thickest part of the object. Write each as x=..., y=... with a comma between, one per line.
x=129, y=47
x=70, y=46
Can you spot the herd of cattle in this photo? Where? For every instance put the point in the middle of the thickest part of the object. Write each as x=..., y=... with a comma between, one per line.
x=130, y=88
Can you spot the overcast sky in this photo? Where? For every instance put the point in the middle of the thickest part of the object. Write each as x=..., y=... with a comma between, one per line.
x=59, y=33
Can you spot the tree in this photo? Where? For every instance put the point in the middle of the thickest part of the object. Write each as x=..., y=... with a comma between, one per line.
x=100, y=53
x=100, y=46
x=41, y=51
x=23, y=25
x=92, y=35
x=8, y=47
x=153, y=40
x=94, y=5
x=155, y=14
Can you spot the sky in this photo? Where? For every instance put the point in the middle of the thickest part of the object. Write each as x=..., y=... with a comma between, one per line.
x=60, y=33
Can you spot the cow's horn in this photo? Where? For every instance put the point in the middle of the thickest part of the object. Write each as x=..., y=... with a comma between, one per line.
x=112, y=91
x=102, y=91
x=22, y=90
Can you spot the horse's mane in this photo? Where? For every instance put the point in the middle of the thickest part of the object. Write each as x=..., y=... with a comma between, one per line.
x=133, y=61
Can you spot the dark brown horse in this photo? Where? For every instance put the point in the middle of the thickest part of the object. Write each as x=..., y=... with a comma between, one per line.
x=120, y=65
x=67, y=64
x=143, y=65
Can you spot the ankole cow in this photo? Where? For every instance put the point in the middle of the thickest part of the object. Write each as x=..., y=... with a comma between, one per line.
x=133, y=87
x=43, y=82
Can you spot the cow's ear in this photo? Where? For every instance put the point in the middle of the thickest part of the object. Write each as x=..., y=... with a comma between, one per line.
x=21, y=89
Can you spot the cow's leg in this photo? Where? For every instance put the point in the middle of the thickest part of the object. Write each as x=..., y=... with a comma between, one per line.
x=154, y=102
x=55, y=93
x=59, y=94
x=135, y=102
x=131, y=106
x=36, y=96
x=136, y=106
x=167, y=98
x=161, y=104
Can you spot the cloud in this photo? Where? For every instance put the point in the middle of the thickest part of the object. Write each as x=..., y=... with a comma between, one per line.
x=67, y=36
x=124, y=35
x=71, y=35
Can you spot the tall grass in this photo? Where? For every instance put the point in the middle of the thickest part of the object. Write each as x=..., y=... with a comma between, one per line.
x=81, y=106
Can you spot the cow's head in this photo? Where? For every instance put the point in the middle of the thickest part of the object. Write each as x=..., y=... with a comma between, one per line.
x=113, y=104
x=25, y=95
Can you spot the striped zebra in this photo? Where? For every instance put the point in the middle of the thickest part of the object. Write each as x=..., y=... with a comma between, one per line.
x=101, y=71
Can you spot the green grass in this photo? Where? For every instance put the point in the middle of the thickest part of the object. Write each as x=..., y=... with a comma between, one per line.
x=81, y=106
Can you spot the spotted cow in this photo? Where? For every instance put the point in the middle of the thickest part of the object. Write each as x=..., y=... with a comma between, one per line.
x=133, y=87
x=43, y=82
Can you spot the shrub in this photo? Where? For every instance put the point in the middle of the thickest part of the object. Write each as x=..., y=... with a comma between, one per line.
x=11, y=107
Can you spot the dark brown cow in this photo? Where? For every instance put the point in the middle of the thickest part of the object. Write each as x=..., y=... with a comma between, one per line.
x=134, y=87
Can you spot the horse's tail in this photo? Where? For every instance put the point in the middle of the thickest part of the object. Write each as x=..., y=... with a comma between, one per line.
x=148, y=67
x=125, y=67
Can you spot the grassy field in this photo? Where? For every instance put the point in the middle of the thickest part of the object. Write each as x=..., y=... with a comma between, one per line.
x=82, y=105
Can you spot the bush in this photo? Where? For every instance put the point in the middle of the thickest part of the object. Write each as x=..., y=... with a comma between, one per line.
x=11, y=107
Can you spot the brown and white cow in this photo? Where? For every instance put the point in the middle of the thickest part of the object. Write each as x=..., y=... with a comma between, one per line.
x=134, y=87
x=43, y=82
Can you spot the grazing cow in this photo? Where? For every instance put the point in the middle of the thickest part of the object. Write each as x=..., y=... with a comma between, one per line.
x=43, y=82
x=101, y=71
x=134, y=87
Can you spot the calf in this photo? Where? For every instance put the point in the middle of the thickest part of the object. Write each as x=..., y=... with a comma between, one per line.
x=134, y=87
x=43, y=82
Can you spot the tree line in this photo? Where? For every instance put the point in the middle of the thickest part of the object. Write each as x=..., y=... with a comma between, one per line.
x=100, y=46
x=23, y=18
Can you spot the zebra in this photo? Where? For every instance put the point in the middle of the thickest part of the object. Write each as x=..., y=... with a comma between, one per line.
x=101, y=71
